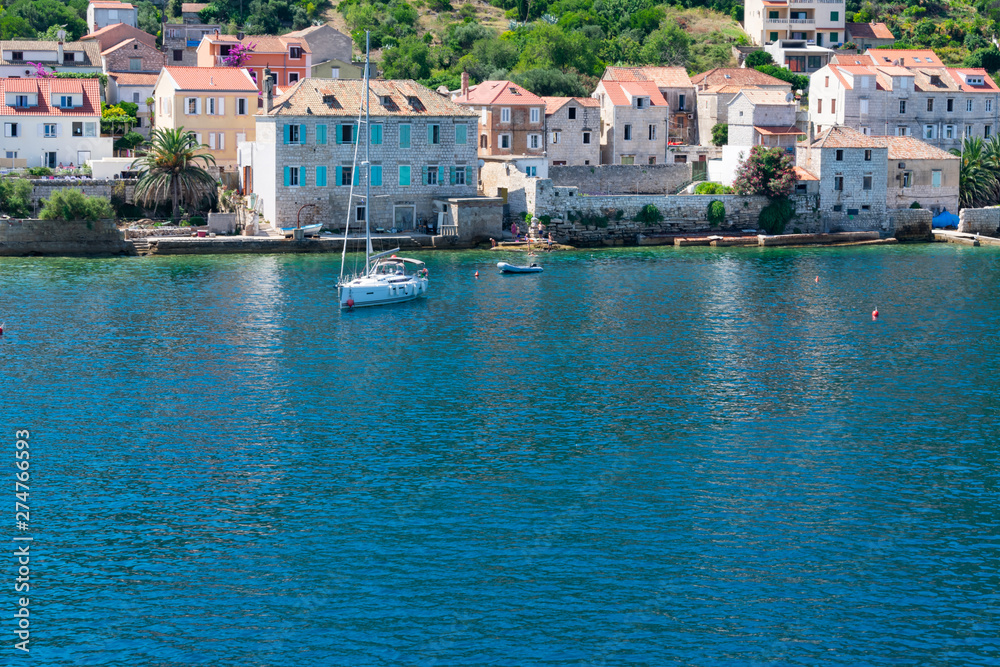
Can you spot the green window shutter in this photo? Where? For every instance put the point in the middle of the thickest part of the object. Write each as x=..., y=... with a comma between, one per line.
x=404, y=136
x=287, y=135
x=340, y=134
x=376, y=174
x=423, y=171
x=470, y=176
x=320, y=175
x=340, y=176
x=302, y=134
x=321, y=134
x=441, y=180
x=461, y=134
x=357, y=176
x=404, y=174
x=302, y=177
x=288, y=173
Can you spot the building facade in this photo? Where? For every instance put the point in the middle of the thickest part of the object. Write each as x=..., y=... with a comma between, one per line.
x=181, y=40
x=117, y=33
x=423, y=148
x=716, y=88
x=921, y=173
x=869, y=36
x=53, y=122
x=132, y=55
x=287, y=58
x=511, y=118
x=820, y=23
x=905, y=93
x=134, y=87
x=16, y=57
x=574, y=126
x=216, y=103
x=102, y=13
x=764, y=118
x=677, y=89
x=634, y=122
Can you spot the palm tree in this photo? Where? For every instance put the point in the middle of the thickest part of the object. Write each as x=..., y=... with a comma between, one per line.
x=170, y=166
x=977, y=178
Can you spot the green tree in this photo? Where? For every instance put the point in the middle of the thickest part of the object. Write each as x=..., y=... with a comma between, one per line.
x=977, y=180
x=174, y=166
x=408, y=60
x=720, y=134
x=987, y=58
x=72, y=204
x=129, y=141
x=15, y=197
x=798, y=81
x=174, y=9
x=148, y=17
x=758, y=58
x=766, y=171
x=43, y=14
x=669, y=45
x=551, y=82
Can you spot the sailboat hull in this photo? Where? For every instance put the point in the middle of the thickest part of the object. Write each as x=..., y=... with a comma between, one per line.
x=376, y=291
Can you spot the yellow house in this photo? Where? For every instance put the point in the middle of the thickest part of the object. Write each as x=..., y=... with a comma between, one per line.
x=216, y=103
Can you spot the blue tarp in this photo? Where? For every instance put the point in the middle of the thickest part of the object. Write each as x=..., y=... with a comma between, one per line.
x=944, y=219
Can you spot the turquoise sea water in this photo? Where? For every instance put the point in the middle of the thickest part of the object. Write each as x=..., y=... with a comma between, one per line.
x=641, y=457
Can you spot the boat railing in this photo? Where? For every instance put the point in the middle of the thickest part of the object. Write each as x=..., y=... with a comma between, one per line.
x=449, y=230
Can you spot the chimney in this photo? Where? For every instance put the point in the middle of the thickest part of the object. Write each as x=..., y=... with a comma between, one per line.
x=268, y=91
x=59, y=52
x=465, y=83
x=216, y=32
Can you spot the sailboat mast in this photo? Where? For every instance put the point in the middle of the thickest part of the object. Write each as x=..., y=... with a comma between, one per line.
x=368, y=156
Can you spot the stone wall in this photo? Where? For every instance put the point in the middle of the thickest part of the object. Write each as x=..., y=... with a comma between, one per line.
x=43, y=188
x=660, y=179
x=80, y=238
x=477, y=218
x=911, y=224
x=979, y=220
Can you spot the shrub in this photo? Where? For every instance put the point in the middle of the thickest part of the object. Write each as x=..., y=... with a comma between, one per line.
x=915, y=204
x=716, y=213
x=649, y=214
x=72, y=204
x=545, y=220
x=708, y=188
x=766, y=171
x=15, y=197
x=197, y=221
x=720, y=134
x=39, y=171
x=758, y=58
x=776, y=215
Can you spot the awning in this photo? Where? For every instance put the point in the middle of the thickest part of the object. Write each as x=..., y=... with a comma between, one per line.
x=769, y=130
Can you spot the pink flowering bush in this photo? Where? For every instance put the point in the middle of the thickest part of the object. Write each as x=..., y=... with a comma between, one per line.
x=239, y=54
x=767, y=171
x=41, y=72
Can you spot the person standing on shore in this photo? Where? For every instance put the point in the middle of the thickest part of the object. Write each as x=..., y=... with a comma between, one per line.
x=513, y=230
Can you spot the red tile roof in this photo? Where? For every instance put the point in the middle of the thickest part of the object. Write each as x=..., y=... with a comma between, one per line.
x=91, y=89
x=192, y=7
x=115, y=33
x=264, y=43
x=211, y=78
x=869, y=31
x=619, y=92
x=741, y=76
x=499, y=92
x=345, y=97
x=844, y=137
x=121, y=45
x=907, y=57
x=803, y=175
x=989, y=86
x=134, y=78
x=553, y=104
x=110, y=5
x=908, y=148
x=664, y=77
x=783, y=130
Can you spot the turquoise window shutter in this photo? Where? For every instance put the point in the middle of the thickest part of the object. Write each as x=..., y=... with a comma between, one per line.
x=357, y=176
x=404, y=136
x=287, y=135
x=430, y=134
x=423, y=171
x=451, y=175
x=340, y=176
x=404, y=174
x=321, y=176
x=470, y=176
x=288, y=173
x=354, y=134
x=340, y=134
x=376, y=174
x=461, y=134
x=302, y=176
x=321, y=134
x=302, y=134
x=377, y=133
x=441, y=175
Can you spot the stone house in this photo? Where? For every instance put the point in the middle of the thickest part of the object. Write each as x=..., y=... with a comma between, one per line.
x=117, y=33
x=716, y=88
x=764, y=118
x=134, y=87
x=423, y=150
x=102, y=13
x=132, y=55
x=905, y=93
x=216, y=103
x=287, y=58
x=48, y=122
x=189, y=12
x=574, y=125
x=634, y=122
x=869, y=35
x=55, y=56
x=919, y=172
x=331, y=53
x=511, y=118
x=677, y=89
x=798, y=55
x=851, y=168
x=181, y=40
x=768, y=21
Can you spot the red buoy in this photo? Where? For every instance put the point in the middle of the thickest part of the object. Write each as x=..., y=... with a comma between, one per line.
x=477, y=274
x=817, y=278
x=350, y=303
x=875, y=313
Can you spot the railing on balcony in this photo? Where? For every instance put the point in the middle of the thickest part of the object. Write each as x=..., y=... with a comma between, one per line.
x=802, y=21
x=448, y=230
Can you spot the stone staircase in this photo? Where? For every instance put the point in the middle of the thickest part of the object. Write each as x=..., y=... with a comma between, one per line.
x=141, y=246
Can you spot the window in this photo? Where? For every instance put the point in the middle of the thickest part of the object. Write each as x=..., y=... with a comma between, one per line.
x=968, y=105
x=404, y=136
x=968, y=130
x=504, y=140
x=866, y=130
x=930, y=104
x=461, y=134
x=866, y=183
x=827, y=82
x=586, y=137
x=936, y=178
x=51, y=130
x=376, y=134
x=178, y=55
x=293, y=177
x=135, y=98
x=863, y=105
x=66, y=101
x=819, y=106
x=535, y=115
x=628, y=159
x=293, y=77
x=193, y=106
x=17, y=55
x=950, y=105
x=834, y=17
x=902, y=131
x=640, y=102
x=840, y=155
x=21, y=101
x=833, y=37
x=225, y=49
x=11, y=155
x=434, y=134
x=628, y=132
x=69, y=57
x=10, y=130
x=989, y=106
x=837, y=208
x=321, y=176
x=531, y=171
x=852, y=211
x=652, y=132
x=376, y=175
x=949, y=131
x=902, y=106
x=241, y=106
x=347, y=134
x=681, y=99
x=293, y=133
x=210, y=106
x=135, y=64
x=404, y=175
x=838, y=183
x=534, y=141
x=907, y=179
x=865, y=207
x=459, y=175
x=345, y=174
x=430, y=175
x=833, y=106
x=929, y=131
x=295, y=52
x=77, y=129
x=554, y=137
x=90, y=129
x=652, y=159
x=774, y=37
x=987, y=131
x=571, y=111
x=359, y=213
x=868, y=155
x=504, y=114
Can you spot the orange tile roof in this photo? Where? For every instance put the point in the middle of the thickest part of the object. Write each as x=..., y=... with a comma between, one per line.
x=553, y=104
x=499, y=92
x=91, y=89
x=264, y=43
x=989, y=86
x=909, y=148
x=907, y=57
x=782, y=130
x=211, y=78
x=768, y=97
x=192, y=7
x=117, y=32
x=740, y=76
x=111, y=5
x=664, y=77
x=619, y=92
x=123, y=44
x=134, y=78
x=869, y=31
x=345, y=97
x=803, y=175
x=844, y=137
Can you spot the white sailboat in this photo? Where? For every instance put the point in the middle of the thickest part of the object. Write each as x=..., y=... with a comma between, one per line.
x=386, y=278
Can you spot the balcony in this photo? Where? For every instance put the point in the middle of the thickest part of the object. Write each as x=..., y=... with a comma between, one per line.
x=788, y=23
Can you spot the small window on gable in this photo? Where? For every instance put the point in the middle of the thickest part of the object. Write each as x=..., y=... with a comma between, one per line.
x=572, y=113
x=295, y=52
